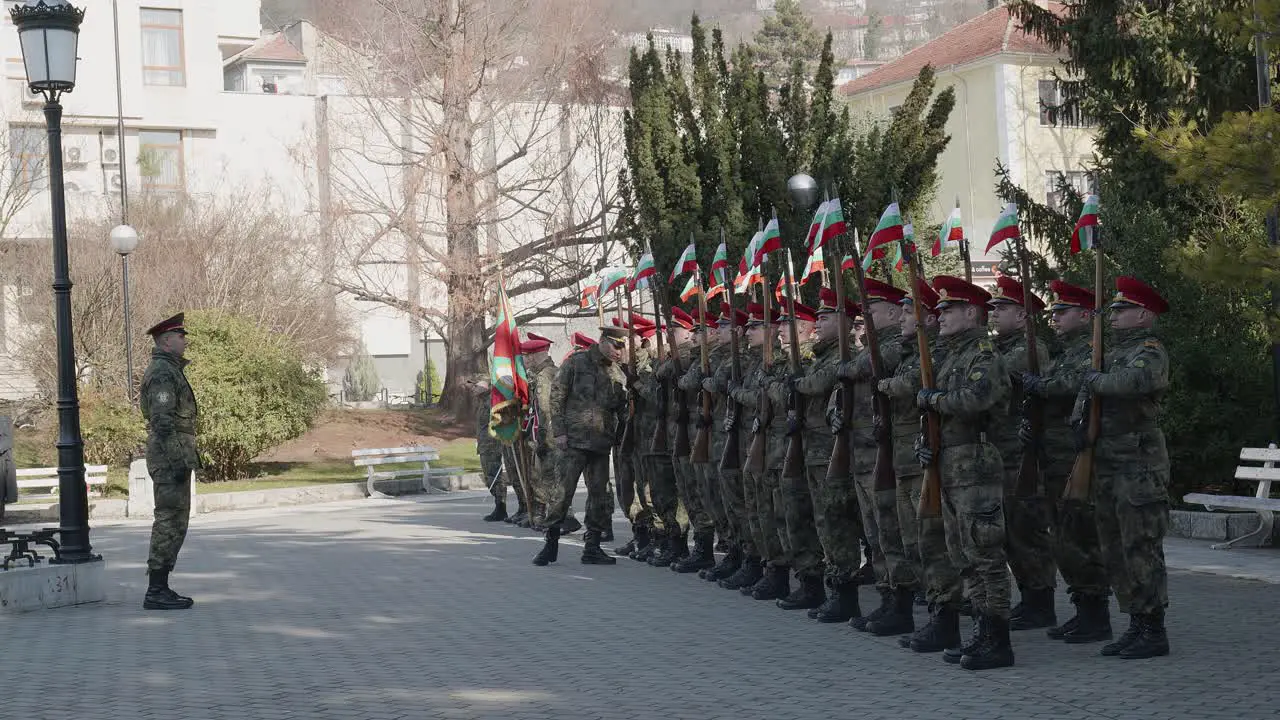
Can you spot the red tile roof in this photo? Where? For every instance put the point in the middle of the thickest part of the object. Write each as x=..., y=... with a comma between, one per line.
x=272, y=48
x=991, y=33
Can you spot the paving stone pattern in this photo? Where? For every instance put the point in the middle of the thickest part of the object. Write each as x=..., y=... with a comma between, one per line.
x=416, y=609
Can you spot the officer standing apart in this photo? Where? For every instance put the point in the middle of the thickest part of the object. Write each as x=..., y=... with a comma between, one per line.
x=169, y=406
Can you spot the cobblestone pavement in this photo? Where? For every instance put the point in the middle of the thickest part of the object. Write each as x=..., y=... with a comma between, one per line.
x=386, y=609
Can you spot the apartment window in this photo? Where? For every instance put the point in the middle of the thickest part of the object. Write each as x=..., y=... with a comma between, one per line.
x=162, y=50
x=28, y=153
x=1060, y=105
x=160, y=159
x=1084, y=183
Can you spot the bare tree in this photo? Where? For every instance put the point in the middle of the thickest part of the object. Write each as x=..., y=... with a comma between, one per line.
x=479, y=137
x=233, y=250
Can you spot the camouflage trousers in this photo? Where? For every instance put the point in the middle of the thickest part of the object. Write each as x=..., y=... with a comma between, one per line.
x=906, y=504
x=593, y=467
x=172, y=494
x=544, y=480
x=800, y=545
x=733, y=491
x=631, y=488
x=491, y=466
x=763, y=496
x=711, y=497
x=839, y=523
x=663, y=489
x=973, y=518
x=1076, y=550
x=1028, y=536
x=879, y=510
x=939, y=573
x=1133, y=516
x=510, y=477
x=690, y=489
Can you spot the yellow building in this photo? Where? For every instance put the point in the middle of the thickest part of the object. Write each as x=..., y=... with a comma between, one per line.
x=1003, y=80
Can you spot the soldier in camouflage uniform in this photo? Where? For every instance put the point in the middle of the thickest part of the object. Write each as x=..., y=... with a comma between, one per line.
x=835, y=501
x=1075, y=531
x=542, y=377
x=588, y=398
x=924, y=540
x=972, y=387
x=896, y=578
x=489, y=450
x=1131, y=467
x=1026, y=518
x=631, y=487
x=800, y=544
x=762, y=490
x=169, y=406
x=657, y=467
x=710, y=477
x=733, y=483
x=687, y=478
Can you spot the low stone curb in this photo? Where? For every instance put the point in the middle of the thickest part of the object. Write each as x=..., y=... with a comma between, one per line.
x=1219, y=526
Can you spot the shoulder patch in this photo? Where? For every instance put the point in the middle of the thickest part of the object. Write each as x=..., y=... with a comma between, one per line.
x=986, y=345
x=1139, y=363
x=163, y=397
x=977, y=375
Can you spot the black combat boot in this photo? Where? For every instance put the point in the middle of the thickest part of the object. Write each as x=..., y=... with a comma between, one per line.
x=160, y=597
x=670, y=552
x=644, y=551
x=841, y=604
x=550, y=548
x=729, y=564
x=722, y=544
x=901, y=619
x=1037, y=611
x=747, y=575
x=886, y=608
x=807, y=596
x=866, y=574
x=639, y=538
x=953, y=653
x=830, y=596
x=571, y=525
x=942, y=631
x=499, y=511
x=591, y=552
x=1129, y=637
x=777, y=584
x=993, y=649
x=606, y=536
x=1093, y=620
x=1059, y=632
x=702, y=558
x=1152, y=642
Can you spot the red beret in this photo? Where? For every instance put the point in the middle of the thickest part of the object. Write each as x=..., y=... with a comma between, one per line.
x=952, y=289
x=803, y=312
x=582, y=341
x=756, y=312
x=828, y=304
x=883, y=291
x=640, y=322
x=740, y=318
x=536, y=336
x=682, y=318
x=1010, y=291
x=928, y=298
x=1066, y=295
x=173, y=324
x=529, y=347
x=1132, y=291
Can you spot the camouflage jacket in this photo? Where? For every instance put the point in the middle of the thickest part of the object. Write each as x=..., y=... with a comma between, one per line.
x=667, y=375
x=864, y=385
x=817, y=384
x=486, y=444
x=169, y=406
x=588, y=401
x=975, y=385
x=1062, y=381
x=542, y=379
x=1135, y=381
x=903, y=387
x=1004, y=430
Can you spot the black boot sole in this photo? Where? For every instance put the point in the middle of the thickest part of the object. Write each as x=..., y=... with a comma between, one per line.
x=599, y=561
x=987, y=662
x=1077, y=638
x=166, y=605
x=888, y=628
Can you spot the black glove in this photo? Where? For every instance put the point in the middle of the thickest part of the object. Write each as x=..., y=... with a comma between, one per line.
x=1080, y=427
x=1025, y=434
x=755, y=426
x=835, y=418
x=794, y=424
x=924, y=398
x=923, y=452
x=877, y=424
x=1033, y=384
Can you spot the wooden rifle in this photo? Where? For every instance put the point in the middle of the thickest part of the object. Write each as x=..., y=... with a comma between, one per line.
x=1028, y=484
x=838, y=468
x=793, y=463
x=658, y=444
x=732, y=457
x=885, y=474
x=628, y=442
x=702, y=441
x=756, y=452
x=931, y=490
x=1080, y=482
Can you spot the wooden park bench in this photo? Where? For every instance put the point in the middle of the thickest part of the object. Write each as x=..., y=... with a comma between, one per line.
x=46, y=479
x=1261, y=502
x=372, y=459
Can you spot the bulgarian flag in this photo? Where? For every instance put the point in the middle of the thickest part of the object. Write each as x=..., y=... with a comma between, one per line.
x=750, y=253
x=590, y=291
x=721, y=261
x=714, y=290
x=782, y=291
x=771, y=240
x=817, y=226
x=1085, y=234
x=687, y=263
x=814, y=265
x=952, y=232
x=613, y=278
x=508, y=381
x=834, y=222
x=1006, y=227
x=644, y=269
x=691, y=288
x=847, y=263
x=888, y=230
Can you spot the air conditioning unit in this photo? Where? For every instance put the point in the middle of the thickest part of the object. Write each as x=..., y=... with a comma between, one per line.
x=110, y=154
x=114, y=182
x=71, y=155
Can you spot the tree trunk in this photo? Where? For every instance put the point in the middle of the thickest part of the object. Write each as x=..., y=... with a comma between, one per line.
x=465, y=283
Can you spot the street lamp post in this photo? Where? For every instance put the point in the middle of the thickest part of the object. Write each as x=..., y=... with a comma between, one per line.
x=803, y=190
x=49, y=31
x=124, y=240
